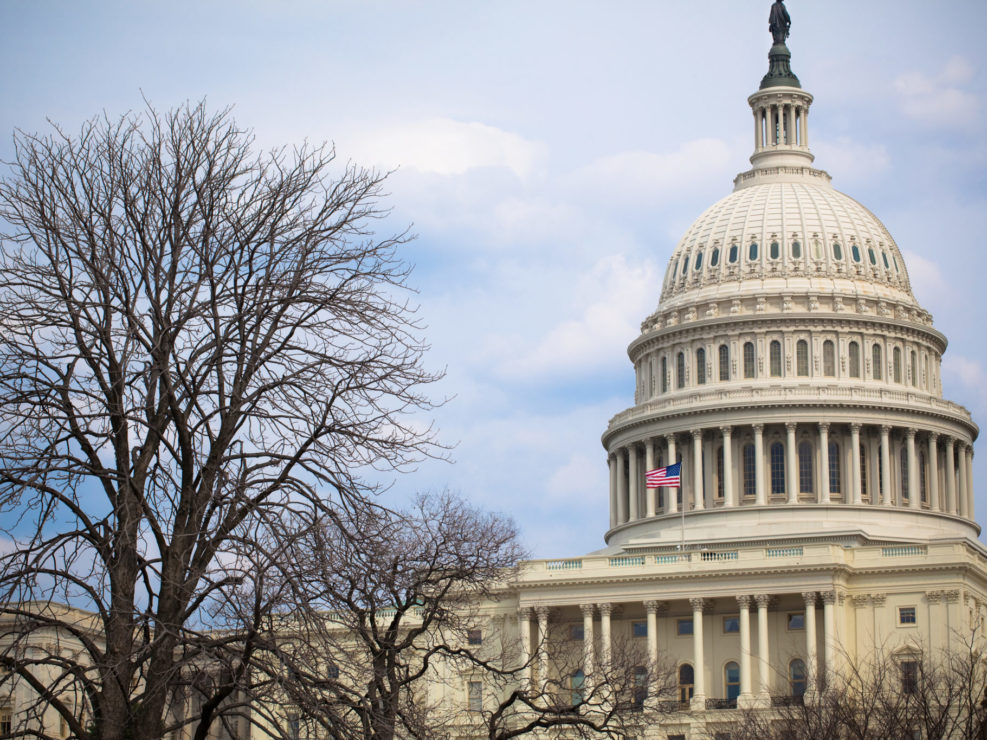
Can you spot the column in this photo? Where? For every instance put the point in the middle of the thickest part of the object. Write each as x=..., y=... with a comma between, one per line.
x=652, y=608
x=962, y=496
x=858, y=494
x=698, y=659
x=671, y=494
x=914, y=493
x=524, y=627
x=729, y=493
x=763, y=655
x=760, y=497
x=829, y=633
x=605, y=647
x=934, y=503
x=757, y=129
x=886, y=497
x=612, y=461
x=824, y=462
x=588, y=647
x=805, y=127
x=744, y=602
x=542, y=612
x=811, y=669
x=791, y=463
x=649, y=464
x=697, y=470
x=633, y=487
x=969, y=481
x=951, y=503
x=621, y=486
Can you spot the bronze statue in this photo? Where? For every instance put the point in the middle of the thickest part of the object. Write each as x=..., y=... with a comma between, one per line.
x=779, y=22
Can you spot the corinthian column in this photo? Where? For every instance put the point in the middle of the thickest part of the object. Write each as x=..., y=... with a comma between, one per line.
x=621, y=486
x=790, y=463
x=824, y=462
x=744, y=602
x=858, y=494
x=969, y=481
x=886, y=497
x=697, y=470
x=699, y=661
x=649, y=464
x=811, y=660
x=760, y=495
x=729, y=492
x=524, y=627
x=951, y=500
x=914, y=492
x=588, y=648
x=613, y=491
x=933, y=470
x=671, y=494
x=542, y=612
x=763, y=650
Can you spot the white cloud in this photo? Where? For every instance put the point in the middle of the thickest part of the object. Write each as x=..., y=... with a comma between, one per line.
x=970, y=375
x=852, y=162
x=444, y=146
x=928, y=283
x=939, y=100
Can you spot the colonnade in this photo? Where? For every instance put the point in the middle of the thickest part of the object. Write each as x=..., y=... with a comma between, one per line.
x=779, y=124
x=595, y=665
x=728, y=466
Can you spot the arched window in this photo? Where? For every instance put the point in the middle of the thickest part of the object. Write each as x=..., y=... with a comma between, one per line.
x=774, y=251
x=733, y=253
x=837, y=251
x=701, y=366
x=749, y=370
x=896, y=364
x=719, y=472
x=873, y=257
x=748, y=470
x=903, y=460
x=639, y=686
x=829, y=358
x=752, y=252
x=863, y=471
x=802, y=358
x=777, y=468
x=854, y=352
x=855, y=252
x=884, y=256
x=914, y=368
x=876, y=352
x=714, y=258
x=576, y=683
x=834, y=468
x=687, y=683
x=664, y=375
x=685, y=267
x=680, y=370
x=675, y=270
x=923, y=492
x=774, y=355
x=806, y=478
x=731, y=676
x=796, y=677
x=797, y=250
x=699, y=262
x=724, y=362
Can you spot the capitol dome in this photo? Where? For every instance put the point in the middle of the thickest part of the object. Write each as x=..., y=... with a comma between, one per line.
x=790, y=370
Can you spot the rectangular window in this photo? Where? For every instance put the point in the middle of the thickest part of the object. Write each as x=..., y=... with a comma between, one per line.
x=639, y=629
x=683, y=627
x=796, y=621
x=6, y=720
x=906, y=615
x=909, y=676
x=576, y=632
x=474, y=637
x=731, y=624
x=294, y=727
x=475, y=692
x=676, y=737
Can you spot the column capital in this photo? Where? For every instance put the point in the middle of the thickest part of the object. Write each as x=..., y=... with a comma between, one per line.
x=744, y=601
x=933, y=437
x=655, y=607
x=886, y=429
x=791, y=425
x=542, y=611
x=525, y=612
x=605, y=609
x=758, y=428
x=696, y=433
x=670, y=438
x=823, y=427
x=855, y=427
x=587, y=609
x=910, y=433
x=828, y=597
x=762, y=600
x=809, y=597
x=950, y=441
x=726, y=430
x=698, y=604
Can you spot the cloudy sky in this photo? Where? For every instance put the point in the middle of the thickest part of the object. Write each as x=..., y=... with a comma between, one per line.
x=550, y=154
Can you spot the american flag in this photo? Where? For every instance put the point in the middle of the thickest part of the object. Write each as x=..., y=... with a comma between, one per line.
x=667, y=477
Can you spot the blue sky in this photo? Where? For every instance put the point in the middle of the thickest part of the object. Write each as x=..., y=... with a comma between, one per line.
x=550, y=156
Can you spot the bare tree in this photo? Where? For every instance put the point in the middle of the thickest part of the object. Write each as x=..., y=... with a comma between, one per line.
x=197, y=344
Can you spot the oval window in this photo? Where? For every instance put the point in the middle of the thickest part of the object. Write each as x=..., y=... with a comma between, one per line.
x=796, y=250
x=699, y=261
x=775, y=251
x=837, y=251
x=886, y=265
x=895, y=264
x=855, y=251
x=870, y=253
x=685, y=267
x=733, y=253
x=752, y=252
x=714, y=259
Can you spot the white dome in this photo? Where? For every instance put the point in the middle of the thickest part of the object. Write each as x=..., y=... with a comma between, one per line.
x=791, y=234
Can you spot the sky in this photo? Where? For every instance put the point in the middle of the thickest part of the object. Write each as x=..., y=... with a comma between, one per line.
x=549, y=155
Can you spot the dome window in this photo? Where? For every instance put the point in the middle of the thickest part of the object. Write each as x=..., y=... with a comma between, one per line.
x=817, y=249
x=835, y=474
x=749, y=472
x=886, y=265
x=699, y=262
x=701, y=366
x=873, y=257
x=895, y=263
x=896, y=364
x=724, y=362
x=714, y=258
x=752, y=252
x=855, y=251
x=774, y=356
x=733, y=253
x=675, y=270
x=680, y=371
x=806, y=476
x=854, y=352
x=802, y=358
x=829, y=358
x=777, y=468
x=664, y=375
x=797, y=250
x=837, y=251
x=749, y=369
x=685, y=266
x=876, y=353
x=775, y=251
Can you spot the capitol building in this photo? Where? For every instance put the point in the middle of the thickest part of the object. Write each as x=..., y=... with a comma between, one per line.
x=826, y=499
